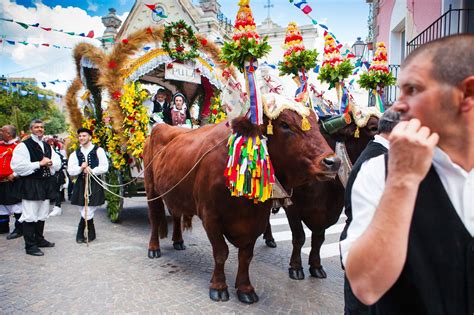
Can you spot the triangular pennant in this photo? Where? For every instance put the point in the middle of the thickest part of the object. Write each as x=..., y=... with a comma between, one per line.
x=90, y=34
x=82, y=35
x=45, y=44
x=151, y=6
x=8, y=20
x=24, y=43
x=35, y=25
x=46, y=28
x=70, y=33
x=24, y=25
x=11, y=42
x=43, y=84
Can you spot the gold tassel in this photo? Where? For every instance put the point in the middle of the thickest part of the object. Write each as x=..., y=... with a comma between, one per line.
x=269, y=127
x=357, y=133
x=305, y=125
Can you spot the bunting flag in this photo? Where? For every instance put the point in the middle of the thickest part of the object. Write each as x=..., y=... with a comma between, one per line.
x=345, y=106
x=13, y=42
x=157, y=11
x=90, y=34
x=306, y=9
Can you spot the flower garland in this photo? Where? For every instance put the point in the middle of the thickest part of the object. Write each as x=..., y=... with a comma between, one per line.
x=135, y=123
x=181, y=35
x=218, y=113
x=334, y=68
x=378, y=75
x=296, y=58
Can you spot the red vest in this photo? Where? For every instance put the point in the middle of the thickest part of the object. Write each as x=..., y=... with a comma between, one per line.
x=6, y=153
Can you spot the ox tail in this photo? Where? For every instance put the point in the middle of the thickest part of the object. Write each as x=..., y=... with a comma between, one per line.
x=187, y=222
x=163, y=227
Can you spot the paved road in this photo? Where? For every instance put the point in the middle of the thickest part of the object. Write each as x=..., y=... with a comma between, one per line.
x=114, y=275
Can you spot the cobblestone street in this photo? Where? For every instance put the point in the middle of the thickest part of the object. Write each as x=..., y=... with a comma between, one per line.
x=114, y=274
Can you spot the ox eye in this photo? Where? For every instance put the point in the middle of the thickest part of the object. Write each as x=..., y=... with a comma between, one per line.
x=285, y=126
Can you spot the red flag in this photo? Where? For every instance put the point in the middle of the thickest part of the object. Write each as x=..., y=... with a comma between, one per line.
x=90, y=34
x=151, y=6
x=47, y=45
x=46, y=28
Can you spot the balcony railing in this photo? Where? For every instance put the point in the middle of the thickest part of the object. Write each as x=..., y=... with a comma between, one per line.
x=454, y=21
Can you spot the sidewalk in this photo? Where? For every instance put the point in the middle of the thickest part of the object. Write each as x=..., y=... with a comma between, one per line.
x=114, y=275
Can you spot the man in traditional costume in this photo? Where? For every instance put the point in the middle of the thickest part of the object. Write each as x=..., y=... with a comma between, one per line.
x=160, y=110
x=35, y=163
x=9, y=202
x=91, y=159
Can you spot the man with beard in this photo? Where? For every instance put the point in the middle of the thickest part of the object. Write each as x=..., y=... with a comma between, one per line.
x=35, y=163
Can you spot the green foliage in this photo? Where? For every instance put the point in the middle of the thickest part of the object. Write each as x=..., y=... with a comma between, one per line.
x=376, y=79
x=305, y=59
x=333, y=75
x=55, y=123
x=234, y=53
x=114, y=203
x=21, y=110
x=180, y=34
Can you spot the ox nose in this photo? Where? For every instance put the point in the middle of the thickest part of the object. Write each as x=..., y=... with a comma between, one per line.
x=332, y=163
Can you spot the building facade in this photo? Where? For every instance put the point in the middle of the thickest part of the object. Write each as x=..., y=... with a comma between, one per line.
x=405, y=24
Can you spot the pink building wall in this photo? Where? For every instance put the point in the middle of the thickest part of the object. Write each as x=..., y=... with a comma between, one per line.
x=383, y=20
x=424, y=12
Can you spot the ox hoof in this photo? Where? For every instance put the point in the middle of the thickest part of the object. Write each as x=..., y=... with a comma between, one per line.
x=271, y=243
x=318, y=272
x=219, y=295
x=154, y=253
x=296, y=273
x=247, y=298
x=179, y=245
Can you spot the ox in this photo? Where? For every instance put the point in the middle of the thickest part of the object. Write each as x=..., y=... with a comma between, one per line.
x=187, y=169
x=319, y=204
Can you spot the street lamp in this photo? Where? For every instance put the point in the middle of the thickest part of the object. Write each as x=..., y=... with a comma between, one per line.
x=358, y=48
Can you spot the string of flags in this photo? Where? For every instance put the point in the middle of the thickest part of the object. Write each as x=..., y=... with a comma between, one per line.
x=90, y=34
x=13, y=42
x=9, y=84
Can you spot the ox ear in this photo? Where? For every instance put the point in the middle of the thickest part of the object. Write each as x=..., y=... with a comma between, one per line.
x=244, y=127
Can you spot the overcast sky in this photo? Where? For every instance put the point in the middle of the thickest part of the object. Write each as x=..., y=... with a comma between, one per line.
x=347, y=19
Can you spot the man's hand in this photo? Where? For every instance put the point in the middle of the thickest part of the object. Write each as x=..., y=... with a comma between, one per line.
x=46, y=162
x=84, y=165
x=11, y=177
x=411, y=151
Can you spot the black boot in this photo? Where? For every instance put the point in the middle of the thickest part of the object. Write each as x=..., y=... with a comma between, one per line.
x=4, y=224
x=80, y=231
x=29, y=230
x=18, y=231
x=91, y=230
x=40, y=240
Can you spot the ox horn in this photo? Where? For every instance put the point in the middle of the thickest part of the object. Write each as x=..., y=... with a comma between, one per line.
x=332, y=125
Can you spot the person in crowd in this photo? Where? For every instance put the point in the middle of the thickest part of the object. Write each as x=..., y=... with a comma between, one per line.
x=88, y=159
x=160, y=110
x=35, y=163
x=410, y=248
x=60, y=177
x=9, y=202
x=179, y=112
x=376, y=147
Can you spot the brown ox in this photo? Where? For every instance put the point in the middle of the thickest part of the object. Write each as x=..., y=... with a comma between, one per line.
x=319, y=204
x=298, y=157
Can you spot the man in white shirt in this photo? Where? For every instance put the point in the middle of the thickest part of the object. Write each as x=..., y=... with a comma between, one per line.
x=410, y=246
x=91, y=159
x=35, y=163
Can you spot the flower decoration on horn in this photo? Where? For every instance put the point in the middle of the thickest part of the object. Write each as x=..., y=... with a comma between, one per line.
x=378, y=75
x=297, y=59
x=335, y=68
x=249, y=171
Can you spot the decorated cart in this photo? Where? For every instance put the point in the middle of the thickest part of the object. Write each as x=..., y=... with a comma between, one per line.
x=109, y=97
